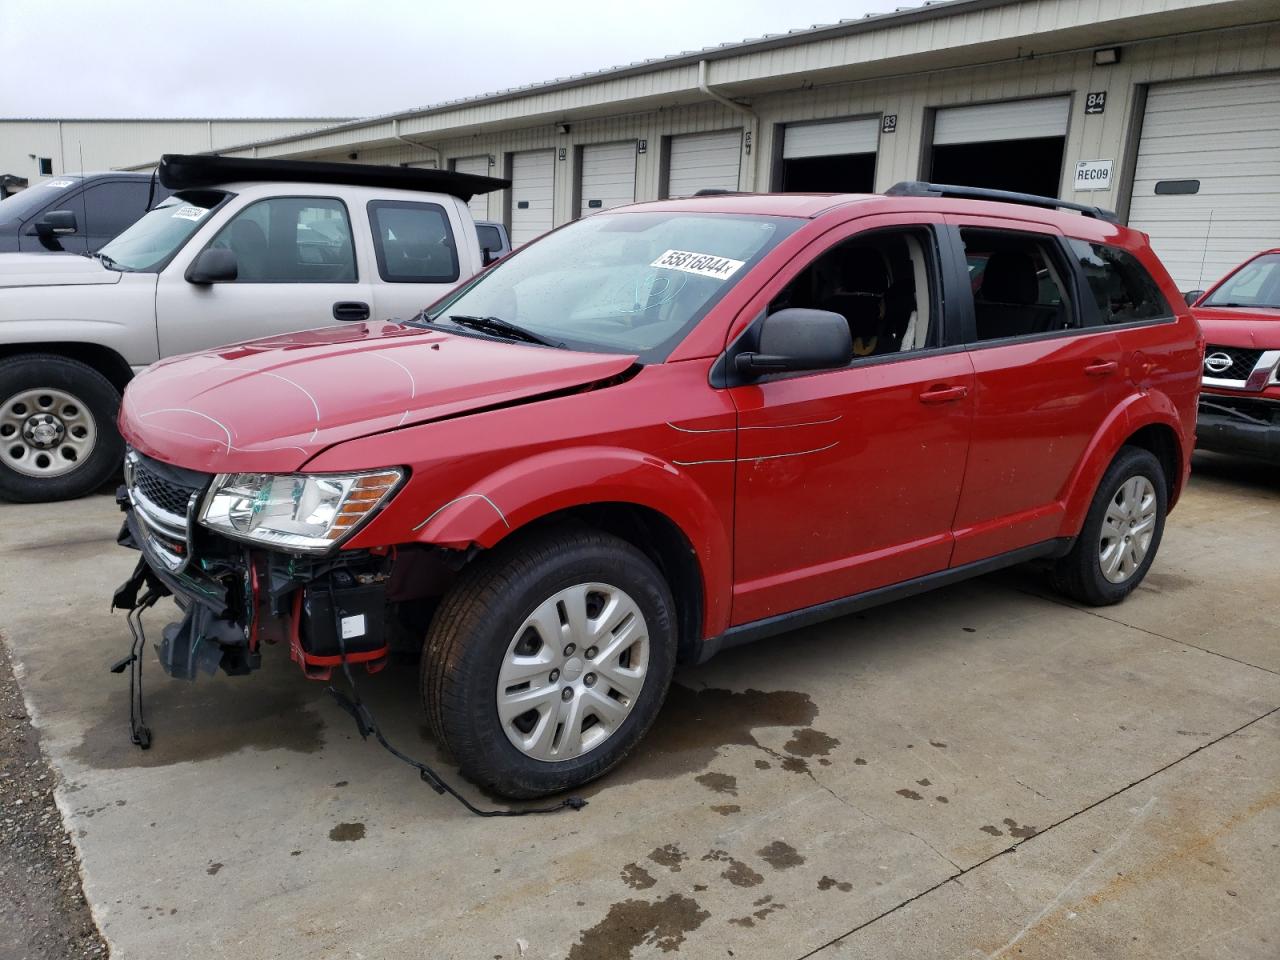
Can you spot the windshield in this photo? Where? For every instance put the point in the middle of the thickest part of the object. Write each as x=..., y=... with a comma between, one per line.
x=1256, y=284
x=151, y=242
x=26, y=202
x=621, y=283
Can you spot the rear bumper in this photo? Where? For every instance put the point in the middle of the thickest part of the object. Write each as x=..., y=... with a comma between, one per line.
x=1244, y=426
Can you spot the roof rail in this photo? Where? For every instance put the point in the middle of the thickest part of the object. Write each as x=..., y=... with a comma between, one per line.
x=179, y=171
x=918, y=188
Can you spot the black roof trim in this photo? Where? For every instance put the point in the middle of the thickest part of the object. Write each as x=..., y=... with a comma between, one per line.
x=179, y=171
x=918, y=188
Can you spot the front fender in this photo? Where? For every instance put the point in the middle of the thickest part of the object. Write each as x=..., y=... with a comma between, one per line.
x=510, y=498
x=1137, y=411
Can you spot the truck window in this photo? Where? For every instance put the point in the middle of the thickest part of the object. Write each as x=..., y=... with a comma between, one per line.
x=291, y=240
x=1122, y=289
x=111, y=207
x=413, y=242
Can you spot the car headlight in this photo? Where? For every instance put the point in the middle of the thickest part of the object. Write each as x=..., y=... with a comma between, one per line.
x=306, y=512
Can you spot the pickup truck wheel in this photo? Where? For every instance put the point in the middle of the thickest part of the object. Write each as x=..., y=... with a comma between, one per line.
x=58, y=438
x=1121, y=532
x=549, y=660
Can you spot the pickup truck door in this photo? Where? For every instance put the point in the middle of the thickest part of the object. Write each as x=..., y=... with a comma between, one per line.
x=297, y=268
x=421, y=250
x=848, y=479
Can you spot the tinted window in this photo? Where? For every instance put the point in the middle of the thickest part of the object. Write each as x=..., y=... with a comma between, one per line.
x=44, y=193
x=1017, y=283
x=1121, y=287
x=881, y=283
x=291, y=240
x=413, y=242
x=111, y=207
x=1256, y=284
x=490, y=238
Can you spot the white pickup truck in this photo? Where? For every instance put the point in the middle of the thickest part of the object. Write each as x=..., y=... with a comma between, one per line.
x=242, y=249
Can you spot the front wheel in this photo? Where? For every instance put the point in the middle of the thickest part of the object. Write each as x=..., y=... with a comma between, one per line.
x=58, y=437
x=549, y=660
x=1121, y=532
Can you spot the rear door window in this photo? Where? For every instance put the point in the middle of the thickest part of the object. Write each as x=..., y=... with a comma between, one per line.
x=1121, y=288
x=1019, y=284
x=413, y=242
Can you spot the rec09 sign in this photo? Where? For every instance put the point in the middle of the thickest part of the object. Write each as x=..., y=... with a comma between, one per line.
x=1093, y=175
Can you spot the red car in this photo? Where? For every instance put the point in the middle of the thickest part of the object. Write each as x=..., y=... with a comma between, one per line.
x=1240, y=402
x=658, y=432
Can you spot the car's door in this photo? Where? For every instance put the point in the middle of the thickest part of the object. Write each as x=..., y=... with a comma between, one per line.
x=848, y=479
x=297, y=268
x=417, y=255
x=1045, y=382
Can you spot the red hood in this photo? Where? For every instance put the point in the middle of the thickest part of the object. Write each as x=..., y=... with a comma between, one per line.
x=270, y=405
x=1240, y=327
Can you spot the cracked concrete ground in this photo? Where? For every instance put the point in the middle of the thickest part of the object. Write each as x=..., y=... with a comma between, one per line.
x=985, y=771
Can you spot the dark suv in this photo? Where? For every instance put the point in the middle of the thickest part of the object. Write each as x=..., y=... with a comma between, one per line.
x=76, y=213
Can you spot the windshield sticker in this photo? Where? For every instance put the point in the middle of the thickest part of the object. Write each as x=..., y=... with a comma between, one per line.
x=703, y=264
x=188, y=212
x=59, y=184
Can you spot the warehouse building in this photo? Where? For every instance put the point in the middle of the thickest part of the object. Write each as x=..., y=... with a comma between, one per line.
x=35, y=148
x=1167, y=111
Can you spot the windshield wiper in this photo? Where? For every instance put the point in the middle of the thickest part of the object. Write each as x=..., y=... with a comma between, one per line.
x=503, y=328
x=106, y=261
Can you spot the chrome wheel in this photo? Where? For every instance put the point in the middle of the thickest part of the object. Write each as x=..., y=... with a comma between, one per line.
x=45, y=433
x=573, y=672
x=1127, y=529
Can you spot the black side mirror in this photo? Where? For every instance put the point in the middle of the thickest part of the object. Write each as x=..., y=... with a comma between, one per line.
x=56, y=223
x=1191, y=296
x=214, y=265
x=799, y=339
x=487, y=256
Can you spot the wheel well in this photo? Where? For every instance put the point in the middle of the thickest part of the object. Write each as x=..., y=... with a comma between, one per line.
x=663, y=542
x=1161, y=441
x=103, y=359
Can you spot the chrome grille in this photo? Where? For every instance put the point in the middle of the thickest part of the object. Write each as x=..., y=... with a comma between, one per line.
x=164, y=500
x=1230, y=363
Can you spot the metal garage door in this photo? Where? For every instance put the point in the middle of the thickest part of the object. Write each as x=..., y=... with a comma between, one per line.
x=1011, y=120
x=480, y=167
x=1207, y=182
x=830, y=139
x=704, y=161
x=532, y=193
x=608, y=176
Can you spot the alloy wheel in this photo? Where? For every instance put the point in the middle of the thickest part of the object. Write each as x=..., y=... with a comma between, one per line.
x=1127, y=529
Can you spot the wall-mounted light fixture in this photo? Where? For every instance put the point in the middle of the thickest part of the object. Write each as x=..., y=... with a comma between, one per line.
x=562, y=128
x=1106, y=56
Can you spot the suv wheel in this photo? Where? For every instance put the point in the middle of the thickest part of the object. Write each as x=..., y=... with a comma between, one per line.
x=549, y=660
x=58, y=438
x=1121, y=533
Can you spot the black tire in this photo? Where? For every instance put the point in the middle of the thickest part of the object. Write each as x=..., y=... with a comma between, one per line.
x=476, y=623
x=100, y=399
x=1079, y=574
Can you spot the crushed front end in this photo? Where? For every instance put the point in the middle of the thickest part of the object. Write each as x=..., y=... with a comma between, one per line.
x=237, y=596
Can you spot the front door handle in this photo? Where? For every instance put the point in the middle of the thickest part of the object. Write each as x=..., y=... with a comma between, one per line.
x=1101, y=368
x=350, y=310
x=944, y=394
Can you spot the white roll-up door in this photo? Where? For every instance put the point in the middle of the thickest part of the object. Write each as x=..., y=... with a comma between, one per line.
x=1207, y=182
x=1010, y=120
x=480, y=167
x=704, y=161
x=533, y=177
x=834, y=138
x=608, y=176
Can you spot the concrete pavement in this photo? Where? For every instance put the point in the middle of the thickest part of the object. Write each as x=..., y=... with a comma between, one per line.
x=983, y=771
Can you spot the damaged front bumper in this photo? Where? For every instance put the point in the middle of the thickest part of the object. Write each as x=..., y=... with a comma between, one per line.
x=1246, y=426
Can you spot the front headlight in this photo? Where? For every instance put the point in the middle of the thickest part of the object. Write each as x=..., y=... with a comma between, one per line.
x=306, y=512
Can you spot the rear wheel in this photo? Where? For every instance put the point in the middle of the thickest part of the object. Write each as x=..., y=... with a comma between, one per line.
x=58, y=437
x=549, y=660
x=1121, y=532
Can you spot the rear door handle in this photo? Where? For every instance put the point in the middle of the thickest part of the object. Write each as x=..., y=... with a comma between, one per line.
x=1101, y=368
x=350, y=310
x=944, y=394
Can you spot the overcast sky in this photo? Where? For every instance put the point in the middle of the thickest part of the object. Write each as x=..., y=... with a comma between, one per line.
x=314, y=58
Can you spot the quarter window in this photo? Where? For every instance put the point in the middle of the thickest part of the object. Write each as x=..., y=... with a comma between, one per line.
x=291, y=240
x=1122, y=289
x=1017, y=284
x=413, y=242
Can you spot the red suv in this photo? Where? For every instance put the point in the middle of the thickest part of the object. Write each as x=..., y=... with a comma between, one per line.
x=1240, y=316
x=658, y=432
